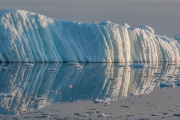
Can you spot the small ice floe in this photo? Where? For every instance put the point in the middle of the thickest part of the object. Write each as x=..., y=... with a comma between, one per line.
x=28, y=64
x=105, y=100
x=103, y=115
x=6, y=94
x=85, y=115
x=177, y=114
x=166, y=84
x=137, y=65
x=177, y=82
x=90, y=112
x=48, y=114
x=154, y=115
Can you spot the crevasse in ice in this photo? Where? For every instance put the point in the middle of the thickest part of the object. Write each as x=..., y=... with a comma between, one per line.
x=31, y=37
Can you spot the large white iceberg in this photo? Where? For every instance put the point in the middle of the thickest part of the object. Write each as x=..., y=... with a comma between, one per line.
x=31, y=37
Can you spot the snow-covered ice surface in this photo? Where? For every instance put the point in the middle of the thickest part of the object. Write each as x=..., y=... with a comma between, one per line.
x=31, y=37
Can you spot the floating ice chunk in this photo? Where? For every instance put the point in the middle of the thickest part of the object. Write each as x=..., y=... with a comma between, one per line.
x=103, y=115
x=85, y=115
x=177, y=82
x=148, y=28
x=48, y=114
x=105, y=100
x=97, y=100
x=137, y=65
x=166, y=84
x=176, y=114
x=154, y=115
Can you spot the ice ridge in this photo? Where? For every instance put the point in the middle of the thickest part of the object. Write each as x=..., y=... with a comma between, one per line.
x=31, y=37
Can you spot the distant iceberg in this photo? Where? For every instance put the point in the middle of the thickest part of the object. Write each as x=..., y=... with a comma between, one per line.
x=31, y=37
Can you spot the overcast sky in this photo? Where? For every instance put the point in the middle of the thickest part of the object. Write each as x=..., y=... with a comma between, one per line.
x=162, y=15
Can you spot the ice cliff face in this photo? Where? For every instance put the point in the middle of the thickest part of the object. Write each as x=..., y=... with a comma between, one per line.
x=30, y=37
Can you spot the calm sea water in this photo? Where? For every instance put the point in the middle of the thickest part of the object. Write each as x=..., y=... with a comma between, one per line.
x=25, y=87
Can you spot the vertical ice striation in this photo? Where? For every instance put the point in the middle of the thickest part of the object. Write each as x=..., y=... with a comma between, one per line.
x=36, y=86
x=31, y=37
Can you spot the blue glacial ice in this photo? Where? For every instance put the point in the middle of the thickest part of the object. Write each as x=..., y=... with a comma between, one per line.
x=31, y=37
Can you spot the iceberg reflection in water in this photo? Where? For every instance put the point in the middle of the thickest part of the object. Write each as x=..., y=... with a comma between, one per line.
x=35, y=86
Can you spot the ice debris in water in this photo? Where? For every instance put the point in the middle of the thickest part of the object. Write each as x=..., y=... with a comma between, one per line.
x=105, y=100
x=85, y=115
x=177, y=82
x=176, y=114
x=166, y=84
x=103, y=115
x=154, y=115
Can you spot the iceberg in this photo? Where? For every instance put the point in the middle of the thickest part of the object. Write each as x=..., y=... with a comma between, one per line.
x=31, y=37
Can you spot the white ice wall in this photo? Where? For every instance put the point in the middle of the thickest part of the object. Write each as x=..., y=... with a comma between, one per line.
x=30, y=37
